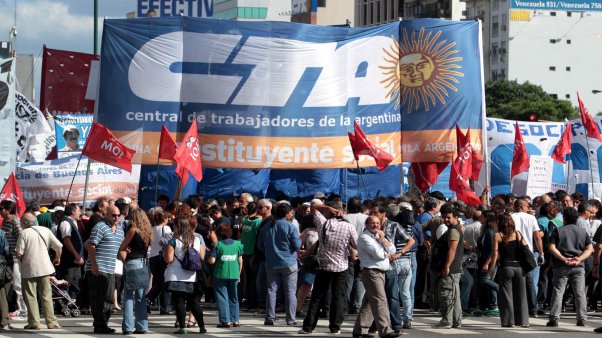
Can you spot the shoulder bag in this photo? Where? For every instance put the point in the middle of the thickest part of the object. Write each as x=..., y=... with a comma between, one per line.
x=525, y=256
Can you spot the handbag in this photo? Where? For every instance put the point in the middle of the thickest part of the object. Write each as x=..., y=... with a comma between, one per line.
x=312, y=262
x=136, y=274
x=525, y=256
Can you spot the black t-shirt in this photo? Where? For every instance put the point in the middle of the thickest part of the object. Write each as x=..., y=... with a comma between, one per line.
x=137, y=248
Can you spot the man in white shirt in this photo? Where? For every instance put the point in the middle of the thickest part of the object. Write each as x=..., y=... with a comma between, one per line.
x=376, y=252
x=36, y=269
x=355, y=287
x=527, y=225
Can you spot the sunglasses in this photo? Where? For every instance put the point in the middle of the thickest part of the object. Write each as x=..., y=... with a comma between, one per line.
x=115, y=215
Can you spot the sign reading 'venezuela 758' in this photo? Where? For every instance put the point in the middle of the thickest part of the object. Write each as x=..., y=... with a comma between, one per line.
x=559, y=5
x=284, y=95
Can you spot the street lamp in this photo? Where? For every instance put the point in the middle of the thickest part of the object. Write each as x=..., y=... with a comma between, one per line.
x=596, y=91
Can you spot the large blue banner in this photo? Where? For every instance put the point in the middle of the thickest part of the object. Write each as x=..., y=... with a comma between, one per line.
x=284, y=95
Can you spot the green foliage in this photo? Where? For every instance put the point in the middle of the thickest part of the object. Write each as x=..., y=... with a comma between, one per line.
x=513, y=101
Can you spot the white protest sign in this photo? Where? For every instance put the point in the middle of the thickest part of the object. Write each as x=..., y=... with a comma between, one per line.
x=539, y=180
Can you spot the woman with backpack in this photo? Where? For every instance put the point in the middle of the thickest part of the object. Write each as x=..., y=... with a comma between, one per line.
x=226, y=257
x=136, y=272
x=180, y=278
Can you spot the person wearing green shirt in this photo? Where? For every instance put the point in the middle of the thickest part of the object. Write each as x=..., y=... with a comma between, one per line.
x=226, y=257
x=249, y=229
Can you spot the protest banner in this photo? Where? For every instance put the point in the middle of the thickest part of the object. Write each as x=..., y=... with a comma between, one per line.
x=47, y=181
x=72, y=125
x=258, y=104
x=8, y=143
x=539, y=179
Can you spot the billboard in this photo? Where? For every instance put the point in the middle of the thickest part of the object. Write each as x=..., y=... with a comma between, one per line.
x=558, y=5
x=284, y=95
x=163, y=8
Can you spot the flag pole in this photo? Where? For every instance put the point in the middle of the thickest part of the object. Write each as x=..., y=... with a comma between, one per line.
x=589, y=158
x=358, y=178
x=74, y=174
x=362, y=177
x=157, y=180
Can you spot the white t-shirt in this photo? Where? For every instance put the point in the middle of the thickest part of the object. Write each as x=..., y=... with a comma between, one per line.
x=526, y=224
x=158, y=233
x=174, y=271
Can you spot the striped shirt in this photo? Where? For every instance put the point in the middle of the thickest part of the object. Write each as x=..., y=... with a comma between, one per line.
x=12, y=229
x=107, y=246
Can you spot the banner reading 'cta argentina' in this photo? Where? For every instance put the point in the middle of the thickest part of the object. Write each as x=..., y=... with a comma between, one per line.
x=441, y=84
x=278, y=95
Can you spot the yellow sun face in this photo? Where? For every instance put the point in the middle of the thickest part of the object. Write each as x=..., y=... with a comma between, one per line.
x=421, y=70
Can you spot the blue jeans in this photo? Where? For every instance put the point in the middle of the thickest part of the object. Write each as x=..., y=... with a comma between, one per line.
x=414, y=271
x=134, y=303
x=392, y=291
x=261, y=283
x=288, y=278
x=532, y=279
x=404, y=281
x=358, y=288
x=226, y=298
x=488, y=290
x=466, y=283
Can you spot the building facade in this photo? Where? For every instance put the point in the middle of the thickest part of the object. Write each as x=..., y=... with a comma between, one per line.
x=252, y=10
x=556, y=49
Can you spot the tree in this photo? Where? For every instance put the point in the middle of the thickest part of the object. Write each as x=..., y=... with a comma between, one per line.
x=513, y=101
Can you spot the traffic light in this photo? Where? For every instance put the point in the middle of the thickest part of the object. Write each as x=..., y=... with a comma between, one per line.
x=533, y=118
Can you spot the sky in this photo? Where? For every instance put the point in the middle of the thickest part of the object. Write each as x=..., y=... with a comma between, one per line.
x=59, y=24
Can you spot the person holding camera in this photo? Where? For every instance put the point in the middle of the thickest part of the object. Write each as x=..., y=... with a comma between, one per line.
x=336, y=236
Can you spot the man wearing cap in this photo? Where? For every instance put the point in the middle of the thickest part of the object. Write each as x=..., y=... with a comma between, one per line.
x=45, y=218
x=320, y=195
x=71, y=136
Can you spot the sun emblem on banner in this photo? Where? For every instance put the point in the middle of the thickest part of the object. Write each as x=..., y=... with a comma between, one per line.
x=421, y=70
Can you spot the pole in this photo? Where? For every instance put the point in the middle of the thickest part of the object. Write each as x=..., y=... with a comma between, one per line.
x=157, y=180
x=73, y=179
x=362, y=177
x=589, y=158
x=96, y=27
x=358, y=179
x=90, y=160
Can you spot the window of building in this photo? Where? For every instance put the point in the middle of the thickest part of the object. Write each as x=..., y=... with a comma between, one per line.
x=321, y=3
x=568, y=96
x=552, y=68
x=495, y=50
x=365, y=15
x=378, y=12
x=554, y=96
x=569, y=14
x=568, y=41
x=495, y=26
x=568, y=69
x=553, y=40
x=552, y=13
x=496, y=4
x=252, y=12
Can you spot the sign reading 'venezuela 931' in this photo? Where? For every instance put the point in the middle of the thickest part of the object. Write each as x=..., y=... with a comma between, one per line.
x=569, y=5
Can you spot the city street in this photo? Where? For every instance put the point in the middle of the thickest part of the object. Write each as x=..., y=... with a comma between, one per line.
x=252, y=326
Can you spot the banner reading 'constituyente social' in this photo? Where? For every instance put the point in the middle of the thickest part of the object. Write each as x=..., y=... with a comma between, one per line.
x=284, y=95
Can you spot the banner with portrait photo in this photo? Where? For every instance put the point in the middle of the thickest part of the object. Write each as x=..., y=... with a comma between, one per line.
x=72, y=131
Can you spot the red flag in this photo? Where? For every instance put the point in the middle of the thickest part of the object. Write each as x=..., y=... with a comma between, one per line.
x=11, y=191
x=460, y=185
x=588, y=121
x=520, y=160
x=167, y=145
x=563, y=147
x=361, y=146
x=477, y=160
x=427, y=173
x=103, y=147
x=188, y=155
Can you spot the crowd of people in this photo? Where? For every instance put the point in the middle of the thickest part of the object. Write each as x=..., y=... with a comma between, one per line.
x=378, y=259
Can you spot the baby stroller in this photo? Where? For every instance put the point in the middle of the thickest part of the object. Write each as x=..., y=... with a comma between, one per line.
x=61, y=297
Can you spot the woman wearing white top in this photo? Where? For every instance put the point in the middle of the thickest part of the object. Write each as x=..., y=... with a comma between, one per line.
x=161, y=231
x=182, y=283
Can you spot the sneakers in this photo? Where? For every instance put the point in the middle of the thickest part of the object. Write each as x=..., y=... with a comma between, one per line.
x=303, y=331
x=552, y=323
x=441, y=325
x=268, y=322
x=581, y=322
x=598, y=330
x=335, y=331
x=407, y=325
x=457, y=326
